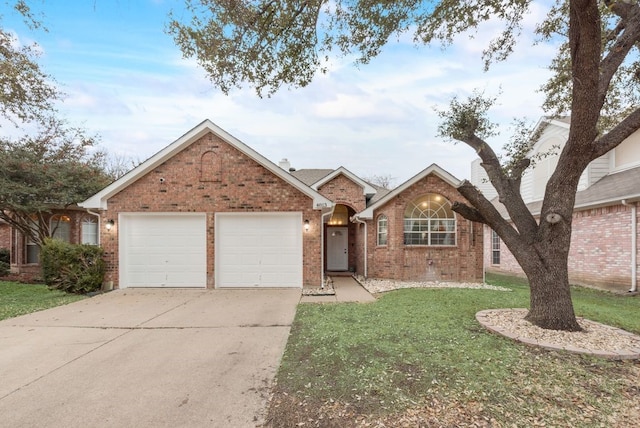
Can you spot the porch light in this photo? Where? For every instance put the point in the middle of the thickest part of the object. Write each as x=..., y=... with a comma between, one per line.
x=109, y=224
x=306, y=225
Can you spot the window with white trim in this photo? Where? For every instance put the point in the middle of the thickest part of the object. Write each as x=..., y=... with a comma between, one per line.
x=495, y=248
x=89, y=231
x=61, y=227
x=32, y=249
x=383, y=229
x=429, y=220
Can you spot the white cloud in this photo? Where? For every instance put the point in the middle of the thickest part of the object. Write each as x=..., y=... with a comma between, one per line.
x=376, y=119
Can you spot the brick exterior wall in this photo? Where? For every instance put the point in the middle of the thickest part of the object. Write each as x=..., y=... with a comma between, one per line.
x=212, y=176
x=342, y=190
x=462, y=262
x=600, y=253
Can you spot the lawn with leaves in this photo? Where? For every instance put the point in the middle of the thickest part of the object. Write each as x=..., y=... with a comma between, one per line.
x=19, y=299
x=418, y=358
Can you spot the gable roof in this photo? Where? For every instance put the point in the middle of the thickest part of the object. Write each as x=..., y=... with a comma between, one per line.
x=367, y=189
x=99, y=200
x=431, y=169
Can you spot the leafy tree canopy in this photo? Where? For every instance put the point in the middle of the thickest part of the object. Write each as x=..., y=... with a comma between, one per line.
x=26, y=92
x=270, y=43
x=57, y=168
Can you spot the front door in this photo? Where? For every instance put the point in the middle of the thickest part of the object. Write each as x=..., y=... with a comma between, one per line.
x=337, y=248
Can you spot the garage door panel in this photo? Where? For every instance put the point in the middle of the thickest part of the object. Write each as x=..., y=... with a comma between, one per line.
x=163, y=250
x=268, y=245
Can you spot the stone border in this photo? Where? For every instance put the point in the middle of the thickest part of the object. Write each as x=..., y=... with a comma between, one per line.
x=625, y=354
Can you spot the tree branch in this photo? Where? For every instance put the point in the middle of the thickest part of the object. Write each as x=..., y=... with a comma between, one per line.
x=619, y=133
x=469, y=212
x=629, y=26
x=508, y=188
x=485, y=212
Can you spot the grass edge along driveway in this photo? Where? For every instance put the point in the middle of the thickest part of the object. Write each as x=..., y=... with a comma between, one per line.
x=418, y=358
x=19, y=299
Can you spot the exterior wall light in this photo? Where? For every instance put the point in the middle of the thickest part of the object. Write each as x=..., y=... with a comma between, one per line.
x=306, y=225
x=109, y=224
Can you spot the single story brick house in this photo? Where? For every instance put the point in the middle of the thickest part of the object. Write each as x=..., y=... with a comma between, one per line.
x=604, y=243
x=209, y=211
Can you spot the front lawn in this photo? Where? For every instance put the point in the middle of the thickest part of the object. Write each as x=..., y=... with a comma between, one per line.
x=418, y=358
x=19, y=299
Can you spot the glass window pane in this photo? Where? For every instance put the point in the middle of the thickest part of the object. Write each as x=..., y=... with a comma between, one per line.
x=382, y=230
x=61, y=226
x=33, y=253
x=429, y=220
x=90, y=232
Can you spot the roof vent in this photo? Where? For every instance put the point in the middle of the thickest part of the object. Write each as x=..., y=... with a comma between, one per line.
x=292, y=169
x=285, y=164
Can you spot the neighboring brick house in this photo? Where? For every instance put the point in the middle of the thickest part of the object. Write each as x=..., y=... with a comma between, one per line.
x=208, y=211
x=73, y=225
x=604, y=243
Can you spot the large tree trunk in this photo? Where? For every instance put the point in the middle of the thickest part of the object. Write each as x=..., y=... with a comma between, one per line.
x=545, y=259
x=551, y=305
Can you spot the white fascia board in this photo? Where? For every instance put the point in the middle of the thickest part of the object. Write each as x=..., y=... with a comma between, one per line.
x=367, y=189
x=99, y=200
x=431, y=169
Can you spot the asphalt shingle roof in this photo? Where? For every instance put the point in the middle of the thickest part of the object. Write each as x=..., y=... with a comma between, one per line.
x=310, y=176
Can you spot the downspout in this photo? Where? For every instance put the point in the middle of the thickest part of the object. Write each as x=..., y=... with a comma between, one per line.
x=99, y=226
x=634, y=245
x=356, y=219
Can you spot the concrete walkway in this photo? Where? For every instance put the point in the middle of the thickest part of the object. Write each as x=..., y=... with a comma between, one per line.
x=146, y=358
x=347, y=290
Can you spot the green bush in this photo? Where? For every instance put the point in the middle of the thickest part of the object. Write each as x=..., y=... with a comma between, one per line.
x=77, y=269
x=5, y=259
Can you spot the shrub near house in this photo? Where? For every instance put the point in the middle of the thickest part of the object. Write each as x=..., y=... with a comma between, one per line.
x=4, y=261
x=72, y=268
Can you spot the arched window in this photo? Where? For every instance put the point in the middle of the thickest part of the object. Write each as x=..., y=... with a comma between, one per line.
x=429, y=220
x=383, y=230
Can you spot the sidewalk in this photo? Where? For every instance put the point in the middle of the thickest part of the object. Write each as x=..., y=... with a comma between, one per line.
x=347, y=290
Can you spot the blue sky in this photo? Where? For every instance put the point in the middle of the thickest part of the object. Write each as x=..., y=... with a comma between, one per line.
x=127, y=82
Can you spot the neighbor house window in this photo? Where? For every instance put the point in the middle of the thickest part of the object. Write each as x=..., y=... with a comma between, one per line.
x=61, y=227
x=383, y=228
x=495, y=248
x=429, y=220
x=89, y=231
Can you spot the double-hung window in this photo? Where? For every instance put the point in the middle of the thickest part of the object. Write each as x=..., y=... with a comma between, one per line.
x=383, y=230
x=89, y=231
x=495, y=248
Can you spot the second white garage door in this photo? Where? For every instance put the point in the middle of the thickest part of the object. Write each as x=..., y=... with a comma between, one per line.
x=258, y=250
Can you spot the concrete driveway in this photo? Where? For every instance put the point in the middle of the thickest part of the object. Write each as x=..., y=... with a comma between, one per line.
x=145, y=358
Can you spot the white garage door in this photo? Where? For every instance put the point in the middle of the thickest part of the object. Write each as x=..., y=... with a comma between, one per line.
x=258, y=250
x=163, y=250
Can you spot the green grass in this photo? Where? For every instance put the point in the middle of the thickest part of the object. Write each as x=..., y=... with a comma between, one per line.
x=19, y=299
x=413, y=348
